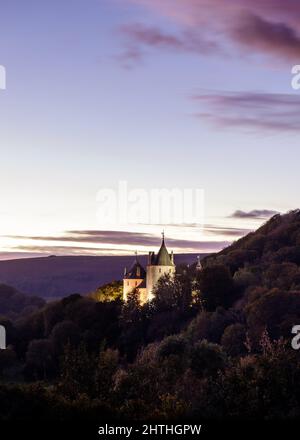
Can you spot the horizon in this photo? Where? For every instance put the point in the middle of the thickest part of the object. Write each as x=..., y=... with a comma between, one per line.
x=155, y=93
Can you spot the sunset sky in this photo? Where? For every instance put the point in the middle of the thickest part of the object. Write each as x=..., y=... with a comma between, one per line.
x=159, y=93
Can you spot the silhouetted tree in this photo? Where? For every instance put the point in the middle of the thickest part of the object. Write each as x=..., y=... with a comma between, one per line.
x=216, y=287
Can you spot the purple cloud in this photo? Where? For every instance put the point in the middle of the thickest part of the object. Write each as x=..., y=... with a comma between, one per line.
x=128, y=238
x=269, y=27
x=278, y=38
x=83, y=242
x=254, y=214
x=265, y=111
x=139, y=37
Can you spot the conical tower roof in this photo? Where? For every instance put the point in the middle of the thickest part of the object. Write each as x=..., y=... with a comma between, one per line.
x=163, y=258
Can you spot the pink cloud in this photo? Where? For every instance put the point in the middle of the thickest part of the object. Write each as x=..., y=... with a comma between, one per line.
x=267, y=26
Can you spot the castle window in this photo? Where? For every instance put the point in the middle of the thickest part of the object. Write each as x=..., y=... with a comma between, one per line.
x=159, y=270
x=127, y=283
x=136, y=283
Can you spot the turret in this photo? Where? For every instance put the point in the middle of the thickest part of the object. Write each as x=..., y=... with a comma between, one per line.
x=158, y=266
x=134, y=279
x=199, y=265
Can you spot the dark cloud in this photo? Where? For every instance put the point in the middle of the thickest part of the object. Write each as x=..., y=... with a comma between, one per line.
x=254, y=214
x=251, y=110
x=269, y=27
x=270, y=37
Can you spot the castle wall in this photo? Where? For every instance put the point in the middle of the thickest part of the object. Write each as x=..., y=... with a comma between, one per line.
x=143, y=295
x=154, y=273
x=129, y=285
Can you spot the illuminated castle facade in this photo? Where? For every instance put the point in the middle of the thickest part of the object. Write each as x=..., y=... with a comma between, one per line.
x=144, y=281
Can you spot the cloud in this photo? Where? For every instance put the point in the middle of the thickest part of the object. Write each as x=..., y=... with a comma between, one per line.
x=269, y=27
x=127, y=238
x=183, y=246
x=95, y=237
x=93, y=242
x=139, y=37
x=47, y=250
x=130, y=57
x=250, y=110
x=262, y=35
x=254, y=214
x=226, y=231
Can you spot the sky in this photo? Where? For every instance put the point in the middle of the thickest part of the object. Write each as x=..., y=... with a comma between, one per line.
x=192, y=94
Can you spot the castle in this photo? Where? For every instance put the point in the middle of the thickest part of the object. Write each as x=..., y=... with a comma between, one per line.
x=144, y=281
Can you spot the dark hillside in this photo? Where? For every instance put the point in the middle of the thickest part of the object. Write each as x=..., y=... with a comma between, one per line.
x=213, y=344
x=276, y=242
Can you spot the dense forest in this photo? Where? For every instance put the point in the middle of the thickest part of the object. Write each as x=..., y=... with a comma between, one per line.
x=214, y=343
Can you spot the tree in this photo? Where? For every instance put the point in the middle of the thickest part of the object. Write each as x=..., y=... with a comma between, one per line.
x=39, y=359
x=171, y=307
x=108, y=292
x=207, y=359
x=106, y=367
x=7, y=359
x=168, y=294
x=174, y=345
x=65, y=332
x=133, y=322
x=270, y=311
x=216, y=287
x=233, y=340
x=244, y=278
x=78, y=372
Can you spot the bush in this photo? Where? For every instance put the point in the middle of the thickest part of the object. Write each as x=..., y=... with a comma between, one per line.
x=207, y=359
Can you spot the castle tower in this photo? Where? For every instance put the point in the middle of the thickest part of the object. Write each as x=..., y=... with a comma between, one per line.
x=199, y=265
x=133, y=279
x=159, y=265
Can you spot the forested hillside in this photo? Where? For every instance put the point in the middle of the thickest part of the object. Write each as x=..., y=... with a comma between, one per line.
x=214, y=344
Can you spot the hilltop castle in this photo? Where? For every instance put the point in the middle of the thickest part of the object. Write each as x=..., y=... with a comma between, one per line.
x=145, y=280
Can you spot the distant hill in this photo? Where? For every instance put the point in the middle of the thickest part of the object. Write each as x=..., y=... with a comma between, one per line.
x=15, y=304
x=54, y=277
